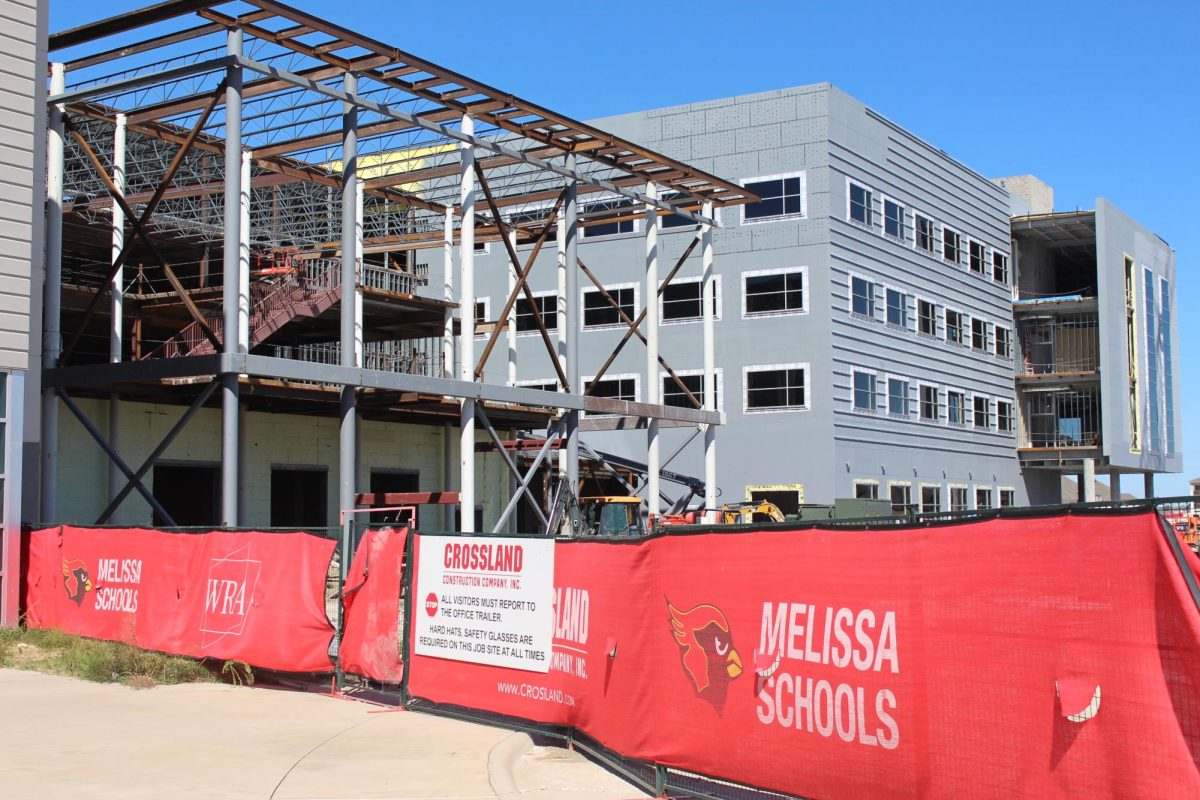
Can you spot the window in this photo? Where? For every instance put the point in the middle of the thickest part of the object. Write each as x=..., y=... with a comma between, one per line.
x=481, y=311
x=1000, y=268
x=983, y=498
x=980, y=408
x=951, y=246
x=958, y=498
x=956, y=407
x=542, y=385
x=897, y=396
x=862, y=297
x=1003, y=342
x=482, y=247
x=930, y=410
x=598, y=312
x=927, y=318
x=768, y=292
x=954, y=326
x=620, y=211
x=860, y=204
x=931, y=499
x=978, y=258
x=1004, y=416
x=672, y=395
x=926, y=236
x=298, y=497
x=547, y=306
x=901, y=496
x=782, y=196
x=866, y=490
x=864, y=391
x=979, y=334
x=674, y=220
x=618, y=387
x=897, y=308
x=682, y=300
x=1008, y=497
x=893, y=219
x=780, y=388
x=531, y=224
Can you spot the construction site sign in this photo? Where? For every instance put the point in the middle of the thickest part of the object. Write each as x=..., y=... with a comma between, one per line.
x=485, y=600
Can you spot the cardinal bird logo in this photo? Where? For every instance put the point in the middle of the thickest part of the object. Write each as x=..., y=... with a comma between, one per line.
x=708, y=654
x=76, y=580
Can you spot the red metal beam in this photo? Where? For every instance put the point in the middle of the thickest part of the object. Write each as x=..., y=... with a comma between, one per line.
x=406, y=499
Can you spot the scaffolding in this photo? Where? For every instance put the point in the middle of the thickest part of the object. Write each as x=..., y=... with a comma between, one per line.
x=220, y=173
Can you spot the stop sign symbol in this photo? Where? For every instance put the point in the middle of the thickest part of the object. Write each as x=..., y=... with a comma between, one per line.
x=431, y=604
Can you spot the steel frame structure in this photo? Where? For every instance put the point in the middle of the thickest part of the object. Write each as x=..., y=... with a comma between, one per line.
x=265, y=127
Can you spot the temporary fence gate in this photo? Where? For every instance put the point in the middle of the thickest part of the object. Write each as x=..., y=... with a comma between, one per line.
x=1013, y=654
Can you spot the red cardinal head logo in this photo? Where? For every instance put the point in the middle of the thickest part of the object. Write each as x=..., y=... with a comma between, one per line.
x=708, y=653
x=76, y=580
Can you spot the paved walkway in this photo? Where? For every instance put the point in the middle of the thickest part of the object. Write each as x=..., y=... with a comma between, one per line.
x=66, y=738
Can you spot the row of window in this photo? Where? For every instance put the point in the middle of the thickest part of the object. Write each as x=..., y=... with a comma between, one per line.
x=765, y=293
x=929, y=499
x=766, y=388
x=907, y=311
x=900, y=397
x=866, y=207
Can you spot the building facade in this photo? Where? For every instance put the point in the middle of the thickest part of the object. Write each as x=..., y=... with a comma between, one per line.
x=864, y=318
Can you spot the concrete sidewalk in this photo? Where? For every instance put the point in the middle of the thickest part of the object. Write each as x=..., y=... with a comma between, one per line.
x=61, y=737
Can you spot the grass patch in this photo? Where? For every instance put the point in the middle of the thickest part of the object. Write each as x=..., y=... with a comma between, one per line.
x=59, y=653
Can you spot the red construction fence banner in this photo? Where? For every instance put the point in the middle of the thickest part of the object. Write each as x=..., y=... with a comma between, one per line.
x=254, y=597
x=370, y=643
x=1023, y=657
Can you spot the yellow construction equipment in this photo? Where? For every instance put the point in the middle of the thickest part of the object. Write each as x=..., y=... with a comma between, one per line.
x=746, y=513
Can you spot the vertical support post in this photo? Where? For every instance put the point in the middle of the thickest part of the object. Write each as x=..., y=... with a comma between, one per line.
x=708, y=298
x=560, y=309
x=229, y=278
x=1114, y=485
x=117, y=290
x=653, y=384
x=510, y=324
x=244, y=259
x=10, y=492
x=359, y=332
x=347, y=451
x=1148, y=485
x=571, y=319
x=448, y=356
x=466, y=266
x=52, y=307
x=1087, y=485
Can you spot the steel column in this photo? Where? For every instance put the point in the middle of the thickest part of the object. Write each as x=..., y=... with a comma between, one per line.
x=708, y=298
x=1148, y=485
x=10, y=533
x=571, y=319
x=653, y=384
x=1087, y=484
x=229, y=295
x=243, y=276
x=1114, y=484
x=117, y=290
x=510, y=323
x=560, y=308
x=52, y=307
x=348, y=456
x=448, y=356
x=466, y=266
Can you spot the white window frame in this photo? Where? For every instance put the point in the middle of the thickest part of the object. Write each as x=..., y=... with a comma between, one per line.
x=485, y=251
x=690, y=228
x=908, y=384
x=487, y=313
x=871, y=195
x=883, y=201
x=942, y=246
x=538, y=382
x=664, y=376
x=996, y=340
x=942, y=497
x=987, y=337
x=974, y=496
x=758, y=273
x=620, y=324
x=936, y=234
x=987, y=262
x=855, y=483
x=535, y=332
x=950, y=487
x=1000, y=490
x=637, y=388
x=989, y=417
x=801, y=174
x=850, y=296
x=909, y=486
x=939, y=418
x=964, y=328
x=746, y=370
x=874, y=411
x=662, y=320
x=908, y=300
x=527, y=208
x=634, y=209
x=1012, y=415
x=1007, y=268
x=938, y=320
x=967, y=408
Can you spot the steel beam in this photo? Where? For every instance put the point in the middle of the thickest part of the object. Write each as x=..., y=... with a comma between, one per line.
x=232, y=257
x=521, y=486
x=466, y=261
x=708, y=298
x=116, y=289
x=348, y=412
x=52, y=306
x=243, y=273
x=573, y=320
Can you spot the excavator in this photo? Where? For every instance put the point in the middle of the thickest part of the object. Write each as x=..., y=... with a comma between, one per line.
x=622, y=515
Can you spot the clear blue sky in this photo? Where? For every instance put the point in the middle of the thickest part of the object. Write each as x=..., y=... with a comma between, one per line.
x=1096, y=98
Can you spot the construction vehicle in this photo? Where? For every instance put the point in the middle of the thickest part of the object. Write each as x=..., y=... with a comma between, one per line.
x=611, y=516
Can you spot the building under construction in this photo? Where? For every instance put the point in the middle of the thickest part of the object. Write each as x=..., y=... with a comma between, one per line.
x=235, y=313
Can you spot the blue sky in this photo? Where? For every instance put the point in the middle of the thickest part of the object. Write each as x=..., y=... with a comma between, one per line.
x=1096, y=98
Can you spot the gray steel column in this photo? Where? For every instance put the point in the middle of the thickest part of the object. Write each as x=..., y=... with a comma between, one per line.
x=466, y=266
x=1087, y=487
x=1114, y=484
x=448, y=358
x=560, y=308
x=231, y=255
x=510, y=324
x=653, y=384
x=117, y=290
x=52, y=313
x=10, y=500
x=708, y=298
x=572, y=320
x=348, y=456
x=1148, y=485
x=244, y=257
